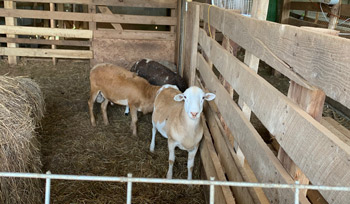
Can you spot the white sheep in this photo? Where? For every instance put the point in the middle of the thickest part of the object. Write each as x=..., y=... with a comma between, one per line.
x=176, y=116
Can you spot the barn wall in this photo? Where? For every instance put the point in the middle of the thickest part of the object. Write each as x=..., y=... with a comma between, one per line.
x=86, y=29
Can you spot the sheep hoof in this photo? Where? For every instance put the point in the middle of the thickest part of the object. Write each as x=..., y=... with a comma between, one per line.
x=126, y=114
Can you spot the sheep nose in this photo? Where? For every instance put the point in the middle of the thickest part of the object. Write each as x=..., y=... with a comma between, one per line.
x=194, y=114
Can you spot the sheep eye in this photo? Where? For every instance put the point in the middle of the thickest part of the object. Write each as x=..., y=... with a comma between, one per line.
x=185, y=97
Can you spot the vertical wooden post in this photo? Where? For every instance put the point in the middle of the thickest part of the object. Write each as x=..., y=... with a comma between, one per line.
x=177, y=41
x=92, y=26
x=312, y=102
x=285, y=11
x=284, y=20
x=85, y=10
x=191, y=43
x=259, y=11
x=52, y=25
x=11, y=21
x=60, y=8
x=333, y=20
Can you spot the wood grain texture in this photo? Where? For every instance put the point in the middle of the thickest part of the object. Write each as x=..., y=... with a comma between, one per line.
x=26, y=30
x=134, y=34
x=265, y=165
x=106, y=10
x=209, y=170
x=229, y=164
x=226, y=191
x=312, y=6
x=126, y=52
x=130, y=3
x=341, y=132
x=299, y=54
x=46, y=42
x=30, y=52
x=98, y=17
x=311, y=146
x=191, y=42
x=10, y=21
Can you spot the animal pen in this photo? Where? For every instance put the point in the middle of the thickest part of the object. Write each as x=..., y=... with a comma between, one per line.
x=275, y=142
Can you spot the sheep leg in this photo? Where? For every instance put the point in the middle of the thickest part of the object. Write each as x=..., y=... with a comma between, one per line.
x=104, y=111
x=190, y=162
x=153, y=141
x=133, y=111
x=126, y=112
x=171, y=146
x=91, y=102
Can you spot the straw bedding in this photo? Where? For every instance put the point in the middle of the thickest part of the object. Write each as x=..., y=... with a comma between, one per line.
x=69, y=145
x=21, y=109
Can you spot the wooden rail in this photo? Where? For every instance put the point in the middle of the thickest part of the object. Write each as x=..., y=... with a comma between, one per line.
x=130, y=3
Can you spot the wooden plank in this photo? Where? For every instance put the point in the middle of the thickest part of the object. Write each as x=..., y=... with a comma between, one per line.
x=249, y=38
x=217, y=164
x=138, y=3
x=311, y=6
x=341, y=132
x=29, y=52
x=135, y=19
x=46, y=42
x=297, y=132
x=209, y=170
x=130, y=51
x=134, y=34
x=106, y=18
x=292, y=51
x=129, y=3
x=26, y=30
x=244, y=172
x=264, y=164
x=285, y=11
x=259, y=11
x=312, y=102
x=10, y=21
x=242, y=195
x=297, y=22
x=106, y=10
x=190, y=43
x=52, y=25
x=92, y=28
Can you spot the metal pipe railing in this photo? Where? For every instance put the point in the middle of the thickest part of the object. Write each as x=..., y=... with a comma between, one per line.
x=129, y=180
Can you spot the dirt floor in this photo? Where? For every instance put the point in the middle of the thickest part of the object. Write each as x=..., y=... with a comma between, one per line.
x=71, y=146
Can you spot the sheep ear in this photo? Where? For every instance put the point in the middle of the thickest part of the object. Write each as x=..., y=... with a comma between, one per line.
x=209, y=96
x=179, y=97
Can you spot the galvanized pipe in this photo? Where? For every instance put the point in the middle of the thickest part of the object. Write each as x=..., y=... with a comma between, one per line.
x=129, y=190
x=211, y=192
x=47, y=189
x=296, y=196
x=171, y=181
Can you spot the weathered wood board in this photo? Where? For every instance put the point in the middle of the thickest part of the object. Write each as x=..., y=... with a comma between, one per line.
x=321, y=59
x=322, y=156
x=126, y=52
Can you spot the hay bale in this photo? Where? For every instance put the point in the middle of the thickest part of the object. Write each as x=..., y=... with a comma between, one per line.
x=21, y=109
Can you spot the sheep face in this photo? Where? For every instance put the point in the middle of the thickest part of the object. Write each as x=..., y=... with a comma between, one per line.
x=194, y=98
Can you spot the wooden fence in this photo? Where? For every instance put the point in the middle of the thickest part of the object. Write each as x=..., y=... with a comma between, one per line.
x=298, y=13
x=95, y=31
x=317, y=65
